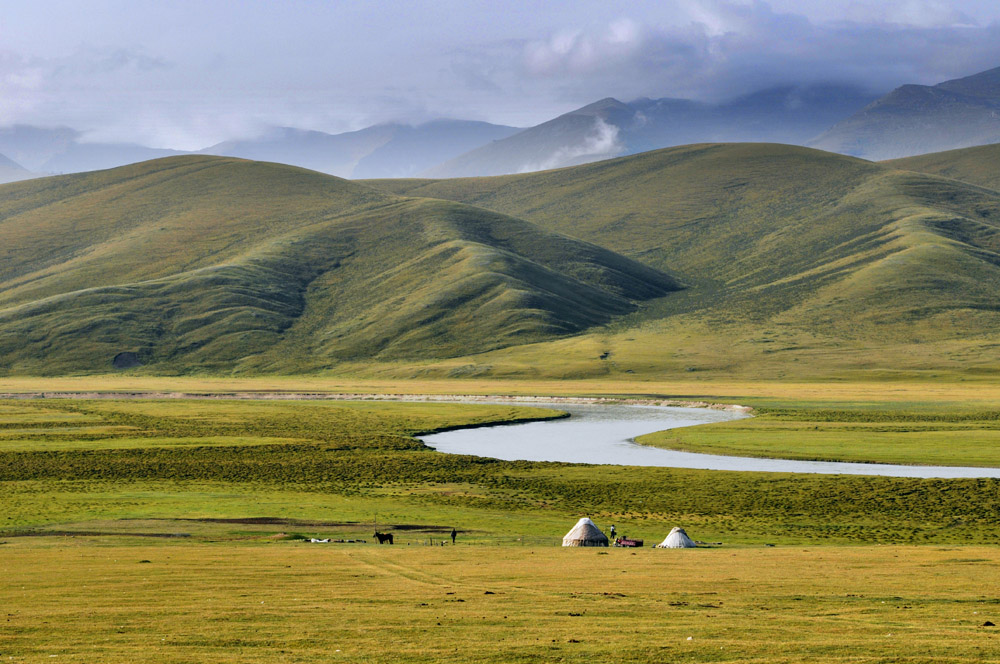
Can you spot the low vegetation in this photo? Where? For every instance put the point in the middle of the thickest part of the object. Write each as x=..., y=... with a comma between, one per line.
x=930, y=434
x=978, y=165
x=89, y=464
x=288, y=601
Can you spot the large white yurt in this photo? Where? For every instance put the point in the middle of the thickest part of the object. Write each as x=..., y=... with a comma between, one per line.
x=677, y=539
x=585, y=533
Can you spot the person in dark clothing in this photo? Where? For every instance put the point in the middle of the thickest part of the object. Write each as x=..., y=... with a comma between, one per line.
x=454, y=534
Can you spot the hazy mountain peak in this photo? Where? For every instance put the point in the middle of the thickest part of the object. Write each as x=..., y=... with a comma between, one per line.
x=918, y=119
x=984, y=84
x=602, y=106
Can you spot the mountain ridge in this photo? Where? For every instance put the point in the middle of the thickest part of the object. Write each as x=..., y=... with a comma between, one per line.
x=920, y=119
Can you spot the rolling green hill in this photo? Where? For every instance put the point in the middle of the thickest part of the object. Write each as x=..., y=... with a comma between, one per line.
x=206, y=263
x=792, y=254
x=979, y=165
x=740, y=259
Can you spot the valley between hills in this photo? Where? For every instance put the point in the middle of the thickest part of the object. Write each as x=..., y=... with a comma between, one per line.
x=745, y=260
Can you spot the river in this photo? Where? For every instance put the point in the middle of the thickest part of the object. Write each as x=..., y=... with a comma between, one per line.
x=605, y=433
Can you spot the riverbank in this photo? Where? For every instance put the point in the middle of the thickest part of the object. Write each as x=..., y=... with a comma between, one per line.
x=380, y=396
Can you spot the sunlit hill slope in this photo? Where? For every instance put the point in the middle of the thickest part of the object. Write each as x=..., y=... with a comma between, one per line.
x=207, y=263
x=790, y=254
x=751, y=259
x=978, y=165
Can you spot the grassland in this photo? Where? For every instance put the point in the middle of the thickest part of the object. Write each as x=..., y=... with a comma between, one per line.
x=172, y=529
x=294, y=602
x=108, y=465
x=945, y=433
x=979, y=165
x=223, y=265
x=797, y=263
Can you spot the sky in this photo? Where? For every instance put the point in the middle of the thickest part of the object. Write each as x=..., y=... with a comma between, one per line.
x=186, y=74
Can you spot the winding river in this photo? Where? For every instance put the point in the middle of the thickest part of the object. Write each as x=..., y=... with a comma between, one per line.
x=605, y=433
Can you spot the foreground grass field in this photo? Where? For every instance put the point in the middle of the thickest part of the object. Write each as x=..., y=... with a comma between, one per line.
x=293, y=602
x=172, y=530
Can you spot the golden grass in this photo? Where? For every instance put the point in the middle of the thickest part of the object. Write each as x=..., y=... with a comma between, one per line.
x=294, y=602
x=982, y=390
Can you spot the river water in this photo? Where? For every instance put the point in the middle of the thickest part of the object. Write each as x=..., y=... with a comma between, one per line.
x=605, y=433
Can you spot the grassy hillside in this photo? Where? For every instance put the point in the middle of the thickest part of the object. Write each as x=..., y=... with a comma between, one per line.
x=834, y=261
x=756, y=260
x=222, y=264
x=978, y=165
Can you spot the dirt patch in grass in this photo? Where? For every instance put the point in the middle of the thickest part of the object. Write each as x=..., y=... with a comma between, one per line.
x=305, y=523
x=86, y=533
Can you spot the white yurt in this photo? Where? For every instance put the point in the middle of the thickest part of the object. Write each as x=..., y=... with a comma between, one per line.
x=585, y=533
x=677, y=539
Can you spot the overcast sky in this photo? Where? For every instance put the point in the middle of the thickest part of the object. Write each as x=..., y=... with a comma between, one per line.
x=182, y=73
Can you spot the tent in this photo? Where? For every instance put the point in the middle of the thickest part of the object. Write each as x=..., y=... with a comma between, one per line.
x=585, y=533
x=677, y=539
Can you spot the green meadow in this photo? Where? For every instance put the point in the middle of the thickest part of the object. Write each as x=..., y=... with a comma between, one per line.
x=163, y=512
x=749, y=261
x=176, y=529
x=109, y=464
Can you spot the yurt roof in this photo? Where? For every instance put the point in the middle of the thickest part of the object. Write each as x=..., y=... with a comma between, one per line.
x=585, y=530
x=677, y=539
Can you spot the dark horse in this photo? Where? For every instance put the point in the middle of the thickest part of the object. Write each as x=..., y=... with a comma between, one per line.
x=383, y=537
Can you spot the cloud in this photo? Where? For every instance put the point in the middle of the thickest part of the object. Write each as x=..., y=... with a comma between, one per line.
x=576, y=52
x=152, y=75
x=601, y=143
x=722, y=49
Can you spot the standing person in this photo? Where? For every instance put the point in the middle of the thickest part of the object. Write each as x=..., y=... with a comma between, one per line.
x=612, y=532
x=454, y=534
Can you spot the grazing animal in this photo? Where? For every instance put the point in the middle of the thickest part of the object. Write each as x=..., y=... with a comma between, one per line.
x=383, y=537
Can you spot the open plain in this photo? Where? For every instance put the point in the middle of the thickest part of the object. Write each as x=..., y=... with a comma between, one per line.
x=178, y=528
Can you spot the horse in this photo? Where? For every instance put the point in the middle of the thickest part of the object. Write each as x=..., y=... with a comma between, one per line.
x=383, y=537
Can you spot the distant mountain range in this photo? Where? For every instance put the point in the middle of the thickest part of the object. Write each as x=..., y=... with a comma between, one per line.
x=610, y=128
x=45, y=151
x=919, y=119
x=910, y=120
x=381, y=151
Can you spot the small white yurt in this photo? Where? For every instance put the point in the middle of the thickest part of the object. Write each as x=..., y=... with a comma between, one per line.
x=677, y=539
x=585, y=533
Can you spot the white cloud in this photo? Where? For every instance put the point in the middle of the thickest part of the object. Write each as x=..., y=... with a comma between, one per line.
x=601, y=143
x=576, y=52
x=152, y=74
x=717, y=49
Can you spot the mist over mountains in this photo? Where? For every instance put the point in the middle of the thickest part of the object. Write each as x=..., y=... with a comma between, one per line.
x=385, y=150
x=842, y=118
x=611, y=128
